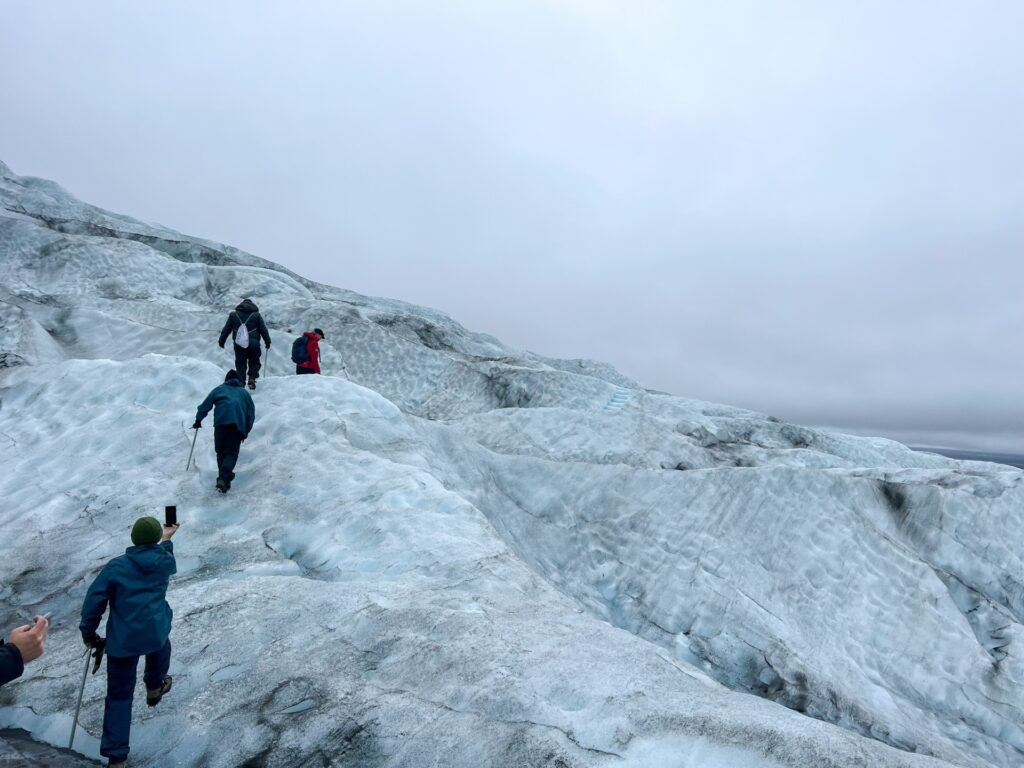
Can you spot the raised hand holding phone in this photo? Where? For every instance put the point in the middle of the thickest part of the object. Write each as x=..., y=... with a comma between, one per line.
x=171, y=523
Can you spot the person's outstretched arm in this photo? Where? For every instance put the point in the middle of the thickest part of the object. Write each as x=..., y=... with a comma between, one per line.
x=227, y=331
x=95, y=603
x=24, y=645
x=204, y=407
x=171, y=565
x=250, y=415
x=11, y=665
x=264, y=332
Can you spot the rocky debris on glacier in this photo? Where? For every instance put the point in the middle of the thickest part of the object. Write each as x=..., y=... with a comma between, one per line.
x=462, y=554
x=16, y=748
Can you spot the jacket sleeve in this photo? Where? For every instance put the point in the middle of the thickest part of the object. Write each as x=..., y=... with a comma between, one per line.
x=172, y=564
x=227, y=329
x=11, y=665
x=96, y=600
x=205, y=406
x=262, y=328
x=250, y=414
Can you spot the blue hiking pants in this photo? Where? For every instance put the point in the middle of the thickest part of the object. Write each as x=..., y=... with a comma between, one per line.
x=117, y=711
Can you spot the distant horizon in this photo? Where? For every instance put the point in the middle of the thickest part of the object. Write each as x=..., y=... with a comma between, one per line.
x=1007, y=454
x=972, y=444
x=1009, y=459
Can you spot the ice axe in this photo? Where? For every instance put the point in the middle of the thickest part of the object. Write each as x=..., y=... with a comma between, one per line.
x=194, y=436
x=96, y=651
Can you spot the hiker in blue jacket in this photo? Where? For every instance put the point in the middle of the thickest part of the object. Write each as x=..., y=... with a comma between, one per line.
x=233, y=417
x=134, y=587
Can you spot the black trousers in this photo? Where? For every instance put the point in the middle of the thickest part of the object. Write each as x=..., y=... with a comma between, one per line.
x=247, y=361
x=227, y=440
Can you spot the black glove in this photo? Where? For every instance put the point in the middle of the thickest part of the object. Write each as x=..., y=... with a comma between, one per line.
x=197, y=425
x=220, y=344
x=92, y=639
x=97, y=654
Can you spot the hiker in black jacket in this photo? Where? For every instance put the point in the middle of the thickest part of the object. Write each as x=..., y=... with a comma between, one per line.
x=247, y=358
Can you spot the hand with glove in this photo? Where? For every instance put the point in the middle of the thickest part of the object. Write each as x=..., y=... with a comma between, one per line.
x=197, y=425
x=98, y=645
x=92, y=639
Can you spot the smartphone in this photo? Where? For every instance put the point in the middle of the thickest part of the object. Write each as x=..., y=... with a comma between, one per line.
x=170, y=515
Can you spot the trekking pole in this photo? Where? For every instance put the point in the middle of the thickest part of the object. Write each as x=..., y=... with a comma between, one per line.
x=194, y=436
x=81, y=692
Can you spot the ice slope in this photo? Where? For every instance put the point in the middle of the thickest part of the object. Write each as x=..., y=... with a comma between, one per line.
x=340, y=606
x=465, y=554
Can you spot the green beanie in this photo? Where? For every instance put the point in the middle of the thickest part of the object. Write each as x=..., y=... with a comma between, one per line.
x=147, y=530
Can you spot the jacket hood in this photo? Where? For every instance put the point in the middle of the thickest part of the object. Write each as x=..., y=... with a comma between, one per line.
x=233, y=383
x=247, y=305
x=146, y=557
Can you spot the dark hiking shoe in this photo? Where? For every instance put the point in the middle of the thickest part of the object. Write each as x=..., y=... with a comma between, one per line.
x=117, y=764
x=252, y=383
x=222, y=486
x=153, y=695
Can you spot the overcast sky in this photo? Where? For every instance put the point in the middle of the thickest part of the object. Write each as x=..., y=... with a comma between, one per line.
x=812, y=209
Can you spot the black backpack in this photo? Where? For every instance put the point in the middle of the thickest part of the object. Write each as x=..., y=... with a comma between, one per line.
x=300, y=352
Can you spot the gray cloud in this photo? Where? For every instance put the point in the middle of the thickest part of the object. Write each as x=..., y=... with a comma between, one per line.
x=807, y=209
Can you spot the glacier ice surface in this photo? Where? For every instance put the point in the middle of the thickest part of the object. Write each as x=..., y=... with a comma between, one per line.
x=453, y=553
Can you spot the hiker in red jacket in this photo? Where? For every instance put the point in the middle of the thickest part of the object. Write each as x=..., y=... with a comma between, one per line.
x=310, y=363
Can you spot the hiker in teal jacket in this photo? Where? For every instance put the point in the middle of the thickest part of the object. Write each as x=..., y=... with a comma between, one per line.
x=134, y=587
x=233, y=417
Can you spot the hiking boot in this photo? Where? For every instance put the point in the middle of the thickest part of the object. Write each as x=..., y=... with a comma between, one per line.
x=252, y=383
x=153, y=695
x=117, y=764
x=222, y=485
